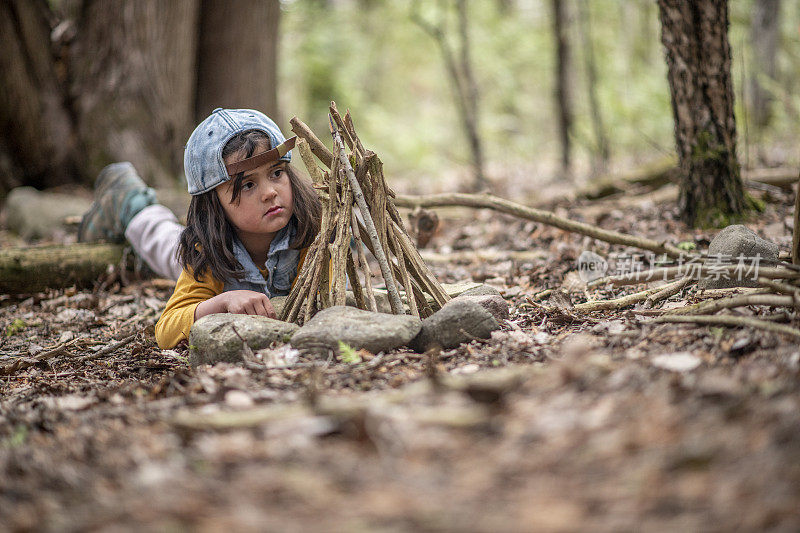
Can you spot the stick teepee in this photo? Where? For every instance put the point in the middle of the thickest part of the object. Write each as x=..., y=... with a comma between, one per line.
x=355, y=185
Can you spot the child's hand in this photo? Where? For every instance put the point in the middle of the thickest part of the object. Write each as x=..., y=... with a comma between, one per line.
x=241, y=302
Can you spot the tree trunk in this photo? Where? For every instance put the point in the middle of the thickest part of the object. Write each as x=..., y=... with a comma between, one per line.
x=764, y=34
x=470, y=89
x=695, y=38
x=131, y=68
x=562, y=90
x=602, y=151
x=237, y=56
x=38, y=146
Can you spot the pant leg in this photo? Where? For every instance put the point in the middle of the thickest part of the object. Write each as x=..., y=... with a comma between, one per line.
x=154, y=233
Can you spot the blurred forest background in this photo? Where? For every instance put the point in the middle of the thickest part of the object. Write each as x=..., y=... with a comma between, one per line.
x=129, y=80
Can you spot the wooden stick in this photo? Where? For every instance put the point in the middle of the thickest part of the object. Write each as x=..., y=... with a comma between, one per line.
x=624, y=301
x=26, y=362
x=317, y=147
x=109, y=349
x=538, y=215
x=340, y=247
x=727, y=320
x=405, y=276
x=364, y=265
x=742, y=300
x=420, y=270
x=696, y=270
x=669, y=290
x=796, y=229
x=394, y=297
x=317, y=176
x=782, y=288
x=352, y=274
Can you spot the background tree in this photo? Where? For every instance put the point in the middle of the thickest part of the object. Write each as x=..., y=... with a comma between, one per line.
x=602, y=152
x=563, y=94
x=88, y=83
x=764, y=35
x=698, y=55
x=458, y=64
x=237, y=61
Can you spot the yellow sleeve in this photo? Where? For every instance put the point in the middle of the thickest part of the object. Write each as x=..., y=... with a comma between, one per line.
x=178, y=316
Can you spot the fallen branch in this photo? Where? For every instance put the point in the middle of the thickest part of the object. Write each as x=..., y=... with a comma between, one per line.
x=108, y=349
x=30, y=269
x=726, y=320
x=630, y=299
x=695, y=271
x=670, y=290
x=781, y=288
x=26, y=362
x=538, y=215
x=703, y=308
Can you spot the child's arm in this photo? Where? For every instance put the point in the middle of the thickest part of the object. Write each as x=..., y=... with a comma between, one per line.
x=179, y=315
x=242, y=302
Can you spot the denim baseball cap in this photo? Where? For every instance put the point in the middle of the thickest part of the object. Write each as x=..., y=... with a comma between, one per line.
x=202, y=159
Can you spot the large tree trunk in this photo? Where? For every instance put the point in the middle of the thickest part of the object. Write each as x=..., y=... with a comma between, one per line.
x=764, y=35
x=237, y=56
x=695, y=36
x=37, y=144
x=563, y=93
x=95, y=82
x=131, y=67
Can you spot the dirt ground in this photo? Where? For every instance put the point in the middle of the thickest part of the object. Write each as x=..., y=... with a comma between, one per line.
x=561, y=421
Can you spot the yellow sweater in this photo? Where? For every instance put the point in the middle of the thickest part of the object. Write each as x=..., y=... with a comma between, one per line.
x=178, y=316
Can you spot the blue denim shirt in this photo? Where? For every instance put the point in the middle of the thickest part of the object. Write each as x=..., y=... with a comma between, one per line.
x=281, y=265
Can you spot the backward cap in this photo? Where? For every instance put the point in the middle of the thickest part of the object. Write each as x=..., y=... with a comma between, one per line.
x=202, y=159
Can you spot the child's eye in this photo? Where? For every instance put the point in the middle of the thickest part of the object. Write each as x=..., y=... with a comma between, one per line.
x=277, y=173
x=247, y=185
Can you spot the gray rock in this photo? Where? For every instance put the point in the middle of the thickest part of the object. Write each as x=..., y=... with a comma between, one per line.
x=212, y=338
x=33, y=214
x=732, y=242
x=480, y=290
x=376, y=332
x=495, y=304
x=460, y=320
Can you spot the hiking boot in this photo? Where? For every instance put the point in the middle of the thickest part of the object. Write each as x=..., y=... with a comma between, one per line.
x=119, y=194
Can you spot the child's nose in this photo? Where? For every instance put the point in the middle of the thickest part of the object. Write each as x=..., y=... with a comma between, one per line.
x=268, y=191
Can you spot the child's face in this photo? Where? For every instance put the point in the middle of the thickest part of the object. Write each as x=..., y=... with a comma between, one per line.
x=264, y=206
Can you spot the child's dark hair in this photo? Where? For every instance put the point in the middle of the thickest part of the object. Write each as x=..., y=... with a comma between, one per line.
x=207, y=241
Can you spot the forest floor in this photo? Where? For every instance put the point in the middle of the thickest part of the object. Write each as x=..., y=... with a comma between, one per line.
x=560, y=421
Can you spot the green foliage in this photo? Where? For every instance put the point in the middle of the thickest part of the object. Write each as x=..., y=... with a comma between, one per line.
x=17, y=438
x=348, y=355
x=371, y=57
x=687, y=246
x=16, y=326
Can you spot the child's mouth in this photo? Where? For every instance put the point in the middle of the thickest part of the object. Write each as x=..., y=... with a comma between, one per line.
x=273, y=211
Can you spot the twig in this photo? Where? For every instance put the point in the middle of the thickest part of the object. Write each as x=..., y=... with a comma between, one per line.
x=26, y=362
x=796, y=230
x=108, y=349
x=317, y=147
x=394, y=297
x=696, y=271
x=669, y=290
x=726, y=320
x=364, y=265
x=624, y=301
x=703, y=308
x=782, y=288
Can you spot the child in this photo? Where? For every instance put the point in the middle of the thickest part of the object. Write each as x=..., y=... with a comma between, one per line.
x=249, y=223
